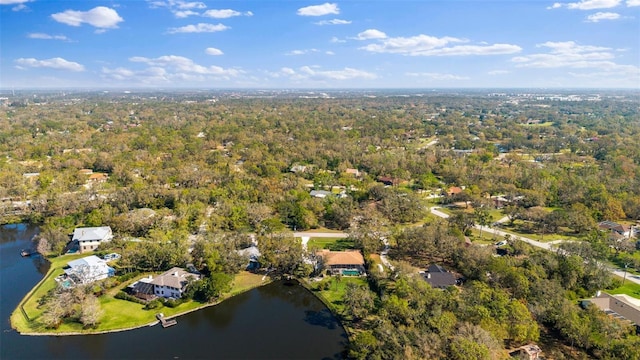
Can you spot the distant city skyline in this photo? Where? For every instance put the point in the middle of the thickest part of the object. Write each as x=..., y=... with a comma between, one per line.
x=174, y=44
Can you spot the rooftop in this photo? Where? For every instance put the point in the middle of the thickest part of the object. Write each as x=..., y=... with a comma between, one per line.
x=350, y=257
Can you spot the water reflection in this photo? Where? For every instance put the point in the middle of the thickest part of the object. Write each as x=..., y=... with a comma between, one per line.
x=277, y=321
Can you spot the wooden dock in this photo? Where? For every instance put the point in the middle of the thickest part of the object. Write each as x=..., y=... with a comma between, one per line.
x=164, y=322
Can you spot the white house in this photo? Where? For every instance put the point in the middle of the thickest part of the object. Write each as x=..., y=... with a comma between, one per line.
x=88, y=238
x=88, y=269
x=173, y=283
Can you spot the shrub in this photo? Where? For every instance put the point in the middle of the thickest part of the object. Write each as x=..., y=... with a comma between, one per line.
x=128, y=276
x=124, y=296
x=173, y=302
x=154, y=304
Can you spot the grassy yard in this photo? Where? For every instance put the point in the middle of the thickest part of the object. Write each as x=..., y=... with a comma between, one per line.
x=117, y=314
x=334, y=293
x=334, y=244
x=629, y=288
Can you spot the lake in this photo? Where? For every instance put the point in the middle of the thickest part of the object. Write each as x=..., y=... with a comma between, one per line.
x=277, y=321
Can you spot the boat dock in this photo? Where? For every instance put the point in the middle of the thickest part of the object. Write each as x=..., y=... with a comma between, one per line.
x=164, y=322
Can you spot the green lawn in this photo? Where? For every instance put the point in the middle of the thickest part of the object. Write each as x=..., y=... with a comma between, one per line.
x=334, y=244
x=117, y=314
x=629, y=288
x=334, y=294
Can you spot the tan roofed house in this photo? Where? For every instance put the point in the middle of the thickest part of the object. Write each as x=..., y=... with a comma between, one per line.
x=349, y=262
x=98, y=177
x=172, y=283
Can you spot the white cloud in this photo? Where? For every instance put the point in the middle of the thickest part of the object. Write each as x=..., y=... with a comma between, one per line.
x=169, y=69
x=333, y=22
x=319, y=10
x=225, y=13
x=425, y=45
x=181, y=9
x=190, y=5
x=183, y=5
x=336, y=40
x=44, y=36
x=13, y=2
x=588, y=4
x=100, y=17
x=631, y=3
x=329, y=52
x=184, y=65
x=185, y=13
x=151, y=75
x=302, y=52
x=371, y=34
x=199, y=28
x=571, y=55
x=213, y=51
x=309, y=73
x=499, y=72
x=599, y=16
x=438, y=76
x=53, y=63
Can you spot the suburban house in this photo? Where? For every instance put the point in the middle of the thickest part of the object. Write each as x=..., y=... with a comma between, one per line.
x=619, y=306
x=526, y=352
x=143, y=289
x=387, y=180
x=438, y=277
x=354, y=172
x=454, y=190
x=88, y=269
x=89, y=238
x=611, y=226
x=173, y=283
x=98, y=177
x=349, y=262
x=252, y=254
x=321, y=194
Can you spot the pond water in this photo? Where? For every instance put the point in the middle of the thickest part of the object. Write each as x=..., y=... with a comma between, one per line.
x=277, y=321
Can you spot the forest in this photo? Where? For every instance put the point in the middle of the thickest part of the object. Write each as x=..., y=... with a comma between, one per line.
x=193, y=177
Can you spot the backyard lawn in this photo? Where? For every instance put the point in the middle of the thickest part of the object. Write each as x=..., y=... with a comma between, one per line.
x=629, y=288
x=334, y=293
x=117, y=314
x=334, y=244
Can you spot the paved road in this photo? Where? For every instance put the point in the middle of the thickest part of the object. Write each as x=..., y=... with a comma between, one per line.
x=547, y=246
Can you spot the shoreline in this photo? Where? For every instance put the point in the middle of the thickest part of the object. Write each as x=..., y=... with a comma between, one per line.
x=100, y=332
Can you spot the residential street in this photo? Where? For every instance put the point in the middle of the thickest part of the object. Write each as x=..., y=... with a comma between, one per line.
x=547, y=246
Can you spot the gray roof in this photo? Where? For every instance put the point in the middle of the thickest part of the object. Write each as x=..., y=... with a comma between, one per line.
x=176, y=278
x=438, y=277
x=92, y=233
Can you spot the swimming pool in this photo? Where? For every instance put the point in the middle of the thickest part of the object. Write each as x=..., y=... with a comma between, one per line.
x=351, y=272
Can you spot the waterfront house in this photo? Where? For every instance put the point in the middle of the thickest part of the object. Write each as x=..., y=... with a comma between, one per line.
x=89, y=238
x=143, y=289
x=88, y=269
x=350, y=262
x=173, y=283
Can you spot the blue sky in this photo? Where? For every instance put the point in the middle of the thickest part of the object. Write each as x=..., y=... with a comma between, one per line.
x=315, y=44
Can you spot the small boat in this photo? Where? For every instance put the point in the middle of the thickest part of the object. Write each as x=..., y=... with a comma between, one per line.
x=25, y=252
